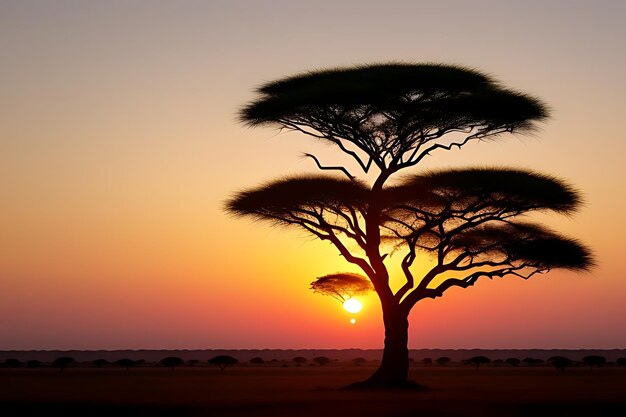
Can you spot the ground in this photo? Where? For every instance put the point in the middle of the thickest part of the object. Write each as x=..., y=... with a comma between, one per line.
x=310, y=391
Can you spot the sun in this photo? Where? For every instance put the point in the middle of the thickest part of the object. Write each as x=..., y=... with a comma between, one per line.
x=352, y=305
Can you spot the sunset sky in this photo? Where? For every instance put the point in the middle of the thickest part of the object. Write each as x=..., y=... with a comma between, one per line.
x=119, y=145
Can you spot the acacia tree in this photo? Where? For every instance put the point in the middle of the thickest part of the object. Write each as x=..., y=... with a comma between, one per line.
x=388, y=118
x=341, y=286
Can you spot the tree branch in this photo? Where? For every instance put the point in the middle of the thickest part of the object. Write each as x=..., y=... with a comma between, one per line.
x=330, y=168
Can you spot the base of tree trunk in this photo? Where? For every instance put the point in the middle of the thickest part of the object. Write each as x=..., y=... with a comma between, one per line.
x=393, y=385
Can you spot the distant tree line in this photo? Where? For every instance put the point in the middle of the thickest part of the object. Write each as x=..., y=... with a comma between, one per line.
x=221, y=362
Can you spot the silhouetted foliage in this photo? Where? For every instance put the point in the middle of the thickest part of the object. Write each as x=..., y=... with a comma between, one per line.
x=222, y=361
x=513, y=361
x=126, y=363
x=359, y=361
x=63, y=362
x=560, y=362
x=427, y=361
x=321, y=360
x=342, y=286
x=13, y=363
x=478, y=360
x=594, y=360
x=192, y=362
x=172, y=362
x=444, y=360
x=100, y=362
x=257, y=360
x=460, y=223
x=532, y=361
x=621, y=361
x=299, y=360
x=34, y=363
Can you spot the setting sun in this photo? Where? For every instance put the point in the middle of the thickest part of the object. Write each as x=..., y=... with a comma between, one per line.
x=352, y=305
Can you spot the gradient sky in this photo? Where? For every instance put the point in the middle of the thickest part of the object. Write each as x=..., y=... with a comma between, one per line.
x=119, y=144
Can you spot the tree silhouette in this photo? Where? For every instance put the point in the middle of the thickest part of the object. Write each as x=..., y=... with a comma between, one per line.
x=172, y=362
x=13, y=363
x=594, y=360
x=222, y=361
x=478, y=360
x=62, y=362
x=560, y=362
x=342, y=286
x=321, y=360
x=257, y=360
x=457, y=224
x=444, y=360
x=531, y=361
x=126, y=363
x=299, y=360
x=513, y=361
x=34, y=363
x=100, y=362
x=359, y=361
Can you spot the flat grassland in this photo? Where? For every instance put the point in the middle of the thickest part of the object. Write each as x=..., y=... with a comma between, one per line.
x=311, y=391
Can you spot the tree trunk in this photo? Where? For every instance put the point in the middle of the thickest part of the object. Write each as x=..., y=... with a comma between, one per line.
x=394, y=367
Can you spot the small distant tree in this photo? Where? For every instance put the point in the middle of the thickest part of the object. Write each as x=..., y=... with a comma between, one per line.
x=126, y=363
x=513, y=361
x=342, y=286
x=100, y=363
x=594, y=360
x=478, y=360
x=257, y=360
x=192, y=362
x=222, y=361
x=427, y=361
x=560, y=362
x=299, y=360
x=33, y=363
x=444, y=360
x=13, y=363
x=531, y=361
x=63, y=362
x=321, y=360
x=621, y=361
x=359, y=361
x=172, y=362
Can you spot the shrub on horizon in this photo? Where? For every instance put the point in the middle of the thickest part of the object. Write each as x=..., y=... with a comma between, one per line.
x=321, y=360
x=13, y=363
x=513, y=361
x=126, y=363
x=359, y=361
x=63, y=362
x=222, y=361
x=444, y=360
x=172, y=362
x=594, y=360
x=478, y=360
x=560, y=362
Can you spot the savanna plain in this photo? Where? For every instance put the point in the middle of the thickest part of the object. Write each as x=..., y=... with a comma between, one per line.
x=265, y=390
